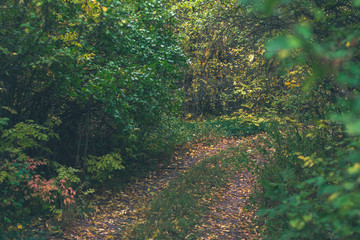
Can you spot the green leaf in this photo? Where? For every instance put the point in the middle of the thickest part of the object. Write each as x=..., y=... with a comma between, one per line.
x=304, y=30
x=297, y=223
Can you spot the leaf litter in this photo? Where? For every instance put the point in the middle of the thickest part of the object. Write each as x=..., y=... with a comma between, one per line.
x=116, y=213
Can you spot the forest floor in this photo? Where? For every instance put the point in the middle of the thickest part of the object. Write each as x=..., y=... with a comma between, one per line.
x=116, y=214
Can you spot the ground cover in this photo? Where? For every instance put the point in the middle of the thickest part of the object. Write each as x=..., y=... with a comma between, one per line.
x=118, y=215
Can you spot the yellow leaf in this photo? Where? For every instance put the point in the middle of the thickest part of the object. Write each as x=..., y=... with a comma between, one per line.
x=59, y=217
x=333, y=196
x=354, y=169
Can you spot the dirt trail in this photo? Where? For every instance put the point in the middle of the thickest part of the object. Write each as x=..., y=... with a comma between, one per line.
x=116, y=213
x=230, y=216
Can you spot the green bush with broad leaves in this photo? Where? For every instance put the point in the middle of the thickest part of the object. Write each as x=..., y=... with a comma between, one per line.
x=310, y=183
x=103, y=168
x=108, y=69
x=28, y=182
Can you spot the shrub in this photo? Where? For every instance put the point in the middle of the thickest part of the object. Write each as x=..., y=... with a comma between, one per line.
x=103, y=168
x=26, y=189
x=309, y=190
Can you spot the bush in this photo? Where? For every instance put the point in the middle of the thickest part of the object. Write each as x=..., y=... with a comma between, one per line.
x=27, y=186
x=304, y=182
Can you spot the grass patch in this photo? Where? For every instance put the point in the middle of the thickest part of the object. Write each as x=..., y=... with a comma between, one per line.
x=237, y=125
x=174, y=212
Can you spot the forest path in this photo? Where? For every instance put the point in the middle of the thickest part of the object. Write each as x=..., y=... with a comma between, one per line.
x=117, y=213
x=232, y=215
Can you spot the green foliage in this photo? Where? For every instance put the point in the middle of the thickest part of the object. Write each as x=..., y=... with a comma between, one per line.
x=113, y=71
x=299, y=181
x=108, y=69
x=311, y=187
x=239, y=124
x=25, y=135
x=210, y=38
x=25, y=191
x=102, y=168
x=68, y=173
x=228, y=69
x=3, y=122
x=161, y=142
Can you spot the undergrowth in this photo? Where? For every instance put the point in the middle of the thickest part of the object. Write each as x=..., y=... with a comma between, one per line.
x=174, y=135
x=239, y=124
x=178, y=135
x=308, y=185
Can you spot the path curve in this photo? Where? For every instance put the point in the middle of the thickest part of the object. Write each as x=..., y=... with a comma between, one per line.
x=116, y=213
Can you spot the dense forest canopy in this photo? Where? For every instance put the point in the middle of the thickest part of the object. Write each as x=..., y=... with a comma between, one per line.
x=94, y=90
